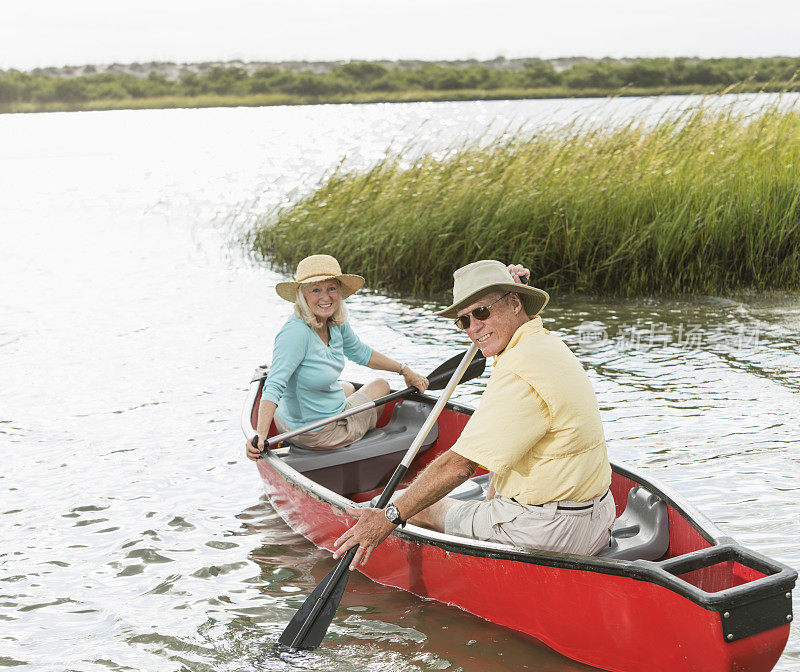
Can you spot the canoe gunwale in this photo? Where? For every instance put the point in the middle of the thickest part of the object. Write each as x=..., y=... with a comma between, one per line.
x=770, y=590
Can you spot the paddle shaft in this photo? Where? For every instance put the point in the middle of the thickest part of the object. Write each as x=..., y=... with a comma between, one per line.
x=341, y=416
x=433, y=379
x=398, y=474
x=341, y=571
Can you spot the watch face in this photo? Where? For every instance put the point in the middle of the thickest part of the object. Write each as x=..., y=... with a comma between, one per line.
x=392, y=514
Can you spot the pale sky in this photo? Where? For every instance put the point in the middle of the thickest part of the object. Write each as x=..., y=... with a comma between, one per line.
x=38, y=33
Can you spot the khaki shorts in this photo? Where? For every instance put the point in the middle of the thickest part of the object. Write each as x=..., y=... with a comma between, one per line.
x=545, y=528
x=340, y=432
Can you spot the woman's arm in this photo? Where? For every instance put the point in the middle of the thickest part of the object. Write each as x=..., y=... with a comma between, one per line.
x=356, y=351
x=287, y=353
x=266, y=412
x=381, y=362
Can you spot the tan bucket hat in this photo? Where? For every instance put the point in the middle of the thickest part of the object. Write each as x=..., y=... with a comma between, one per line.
x=475, y=280
x=316, y=268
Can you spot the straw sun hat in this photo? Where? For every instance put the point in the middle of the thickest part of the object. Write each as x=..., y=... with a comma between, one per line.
x=317, y=268
x=475, y=280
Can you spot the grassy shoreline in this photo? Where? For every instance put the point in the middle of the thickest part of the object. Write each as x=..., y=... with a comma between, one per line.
x=412, y=96
x=703, y=202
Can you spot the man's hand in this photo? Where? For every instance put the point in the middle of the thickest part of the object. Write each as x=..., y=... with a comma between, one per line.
x=490, y=490
x=370, y=530
x=518, y=271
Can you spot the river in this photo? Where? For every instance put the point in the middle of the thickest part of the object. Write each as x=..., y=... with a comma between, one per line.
x=135, y=534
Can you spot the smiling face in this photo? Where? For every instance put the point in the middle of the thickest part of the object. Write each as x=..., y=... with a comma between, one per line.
x=493, y=334
x=322, y=298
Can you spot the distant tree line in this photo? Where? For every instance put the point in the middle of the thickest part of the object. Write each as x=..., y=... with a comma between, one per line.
x=368, y=77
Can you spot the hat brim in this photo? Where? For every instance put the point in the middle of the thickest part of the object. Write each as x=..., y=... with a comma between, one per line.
x=533, y=299
x=350, y=284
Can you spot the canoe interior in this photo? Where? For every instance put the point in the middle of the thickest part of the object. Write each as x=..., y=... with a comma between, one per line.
x=706, y=604
x=685, y=534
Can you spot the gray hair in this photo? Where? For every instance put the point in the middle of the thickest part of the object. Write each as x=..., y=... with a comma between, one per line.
x=303, y=311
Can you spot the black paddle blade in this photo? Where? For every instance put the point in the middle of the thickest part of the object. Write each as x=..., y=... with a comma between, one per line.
x=439, y=378
x=307, y=628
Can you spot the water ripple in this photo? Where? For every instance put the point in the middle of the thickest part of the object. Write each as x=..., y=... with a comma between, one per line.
x=135, y=533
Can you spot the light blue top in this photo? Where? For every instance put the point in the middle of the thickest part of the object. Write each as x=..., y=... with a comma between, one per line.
x=304, y=376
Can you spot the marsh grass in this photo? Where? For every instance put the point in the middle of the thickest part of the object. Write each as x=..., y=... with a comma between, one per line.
x=703, y=201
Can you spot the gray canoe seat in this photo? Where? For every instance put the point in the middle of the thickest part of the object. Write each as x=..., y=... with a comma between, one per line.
x=473, y=488
x=362, y=465
x=642, y=531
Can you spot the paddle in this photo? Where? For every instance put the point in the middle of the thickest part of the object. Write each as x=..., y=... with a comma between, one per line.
x=437, y=379
x=309, y=625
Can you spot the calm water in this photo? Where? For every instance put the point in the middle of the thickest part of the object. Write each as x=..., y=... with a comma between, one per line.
x=135, y=535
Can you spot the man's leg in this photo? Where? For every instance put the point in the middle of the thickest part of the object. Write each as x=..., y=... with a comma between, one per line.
x=433, y=517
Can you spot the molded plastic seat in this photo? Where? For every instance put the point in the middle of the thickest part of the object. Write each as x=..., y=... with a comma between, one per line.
x=474, y=488
x=642, y=531
x=362, y=465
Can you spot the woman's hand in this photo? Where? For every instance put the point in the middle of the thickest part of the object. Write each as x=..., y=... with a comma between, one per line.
x=266, y=412
x=413, y=379
x=518, y=271
x=255, y=453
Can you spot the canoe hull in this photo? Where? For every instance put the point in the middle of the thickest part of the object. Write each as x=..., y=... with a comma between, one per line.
x=707, y=605
x=615, y=622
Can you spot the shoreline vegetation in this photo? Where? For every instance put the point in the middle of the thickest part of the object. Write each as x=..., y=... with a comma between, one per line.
x=166, y=85
x=705, y=201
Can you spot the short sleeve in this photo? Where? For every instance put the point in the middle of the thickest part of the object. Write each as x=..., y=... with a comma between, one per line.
x=510, y=420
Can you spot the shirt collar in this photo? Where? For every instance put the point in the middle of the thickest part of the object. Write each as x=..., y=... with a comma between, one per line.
x=532, y=326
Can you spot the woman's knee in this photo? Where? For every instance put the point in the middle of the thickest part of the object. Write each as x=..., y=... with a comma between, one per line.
x=376, y=388
x=347, y=387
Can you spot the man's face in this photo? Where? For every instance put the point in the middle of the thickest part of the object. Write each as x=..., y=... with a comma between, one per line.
x=493, y=334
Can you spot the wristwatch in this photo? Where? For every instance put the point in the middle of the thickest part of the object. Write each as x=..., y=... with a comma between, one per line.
x=393, y=515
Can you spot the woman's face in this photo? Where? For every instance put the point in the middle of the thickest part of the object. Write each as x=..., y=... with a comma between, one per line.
x=322, y=298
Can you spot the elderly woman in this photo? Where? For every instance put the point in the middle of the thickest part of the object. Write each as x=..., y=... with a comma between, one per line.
x=303, y=383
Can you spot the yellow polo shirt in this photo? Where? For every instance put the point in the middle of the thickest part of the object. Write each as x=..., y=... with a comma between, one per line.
x=538, y=425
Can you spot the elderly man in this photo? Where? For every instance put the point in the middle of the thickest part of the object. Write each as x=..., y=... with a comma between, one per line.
x=537, y=429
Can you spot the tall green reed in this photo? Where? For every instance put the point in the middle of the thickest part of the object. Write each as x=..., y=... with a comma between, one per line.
x=703, y=201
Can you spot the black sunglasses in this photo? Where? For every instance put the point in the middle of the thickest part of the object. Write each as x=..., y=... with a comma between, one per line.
x=480, y=313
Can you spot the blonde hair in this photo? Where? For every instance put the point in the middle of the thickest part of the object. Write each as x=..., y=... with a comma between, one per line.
x=303, y=311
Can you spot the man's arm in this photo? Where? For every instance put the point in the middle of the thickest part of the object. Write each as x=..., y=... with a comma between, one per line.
x=446, y=472
x=442, y=475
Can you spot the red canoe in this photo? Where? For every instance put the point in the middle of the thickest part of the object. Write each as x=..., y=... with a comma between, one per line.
x=672, y=593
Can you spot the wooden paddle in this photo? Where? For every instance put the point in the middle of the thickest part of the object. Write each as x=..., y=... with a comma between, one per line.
x=437, y=379
x=309, y=625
